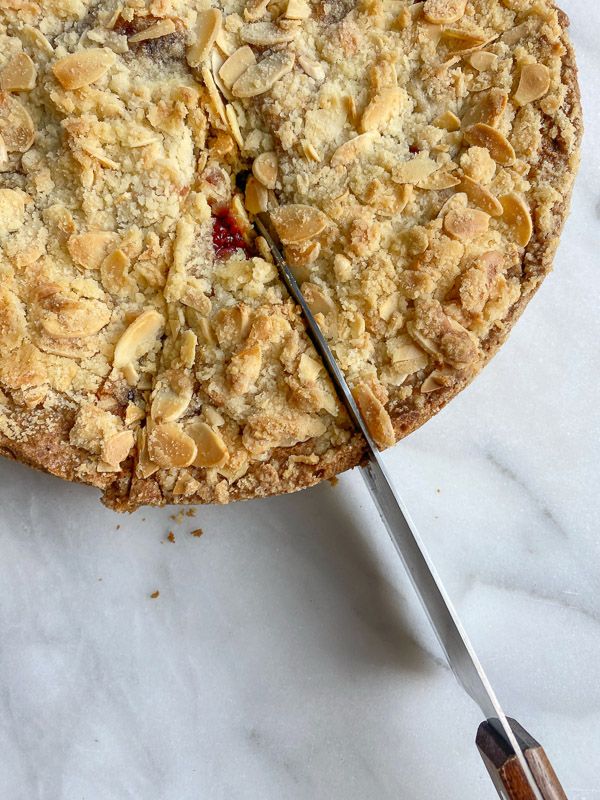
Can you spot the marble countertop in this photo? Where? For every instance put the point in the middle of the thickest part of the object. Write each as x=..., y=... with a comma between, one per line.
x=286, y=656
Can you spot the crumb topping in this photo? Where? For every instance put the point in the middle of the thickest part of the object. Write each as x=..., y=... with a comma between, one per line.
x=400, y=148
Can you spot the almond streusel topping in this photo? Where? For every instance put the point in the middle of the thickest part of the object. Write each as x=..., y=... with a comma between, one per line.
x=416, y=159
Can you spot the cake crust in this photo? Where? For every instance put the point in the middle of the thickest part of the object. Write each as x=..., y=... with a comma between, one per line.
x=43, y=438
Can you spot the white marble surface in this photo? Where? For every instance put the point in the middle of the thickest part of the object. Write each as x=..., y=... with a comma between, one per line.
x=286, y=656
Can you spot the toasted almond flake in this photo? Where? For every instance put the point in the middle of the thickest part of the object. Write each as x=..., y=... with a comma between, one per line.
x=16, y=126
x=169, y=446
x=145, y=467
x=465, y=224
x=447, y=121
x=308, y=369
x=264, y=169
x=482, y=60
x=256, y=199
x=495, y=143
x=517, y=217
x=375, y=416
x=243, y=369
x=346, y=153
x=310, y=151
x=37, y=38
x=116, y=448
x=533, y=84
x=3, y=151
x=189, y=341
x=235, y=66
x=438, y=181
x=255, y=9
x=138, y=338
x=133, y=413
x=12, y=211
x=481, y=197
x=84, y=67
x=259, y=78
x=114, y=274
x=381, y=109
x=163, y=27
x=297, y=9
x=444, y=12
x=211, y=449
x=415, y=170
x=303, y=254
x=296, y=223
x=462, y=42
x=215, y=97
x=171, y=398
x=265, y=34
x=186, y=486
x=76, y=320
x=19, y=75
x=88, y=250
x=234, y=125
x=208, y=26
x=514, y=35
x=317, y=300
x=312, y=68
x=487, y=108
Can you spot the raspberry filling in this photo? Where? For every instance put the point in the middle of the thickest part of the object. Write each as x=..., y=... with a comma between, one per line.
x=227, y=235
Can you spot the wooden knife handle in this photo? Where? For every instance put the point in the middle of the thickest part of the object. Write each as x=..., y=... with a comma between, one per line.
x=505, y=770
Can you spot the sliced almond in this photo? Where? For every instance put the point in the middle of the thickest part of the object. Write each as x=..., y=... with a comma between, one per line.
x=12, y=210
x=312, y=68
x=215, y=97
x=296, y=223
x=169, y=446
x=234, y=125
x=487, y=108
x=89, y=249
x=447, y=121
x=464, y=224
x=117, y=447
x=235, y=66
x=308, y=369
x=375, y=416
x=481, y=197
x=138, y=338
x=347, y=153
x=114, y=273
x=3, y=151
x=19, y=75
x=517, y=216
x=208, y=25
x=381, y=109
x=533, y=84
x=482, y=60
x=76, y=320
x=317, y=300
x=36, y=38
x=211, y=449
x=461, y=42
x=171, y=398
x=265, y=34
x=255, y=9
x=495, y=143
x=415, y=170
x=163, y=27
x=303, y=254
x=264, y=168
x=297, y=9
x=256, y=199
x=189, y=341
x=16, y=126
x=259, y=78
x=133, y=413
x=84, y=67
x=244, y=369
x=444, y=12
x=438, y=181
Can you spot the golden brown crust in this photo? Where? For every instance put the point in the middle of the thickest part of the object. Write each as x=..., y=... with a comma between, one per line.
x=292, y=468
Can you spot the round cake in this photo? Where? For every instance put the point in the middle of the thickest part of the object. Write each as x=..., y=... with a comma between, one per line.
x=416, y=158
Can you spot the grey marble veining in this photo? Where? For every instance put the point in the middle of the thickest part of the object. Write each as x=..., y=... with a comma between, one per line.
x=286, y=656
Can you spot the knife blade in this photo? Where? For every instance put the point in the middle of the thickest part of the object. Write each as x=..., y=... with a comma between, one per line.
x=510, y=754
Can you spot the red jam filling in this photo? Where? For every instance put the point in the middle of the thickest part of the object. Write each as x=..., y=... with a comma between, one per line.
x=227, y=236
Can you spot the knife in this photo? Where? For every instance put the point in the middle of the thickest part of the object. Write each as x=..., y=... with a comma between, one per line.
x=517, y=763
